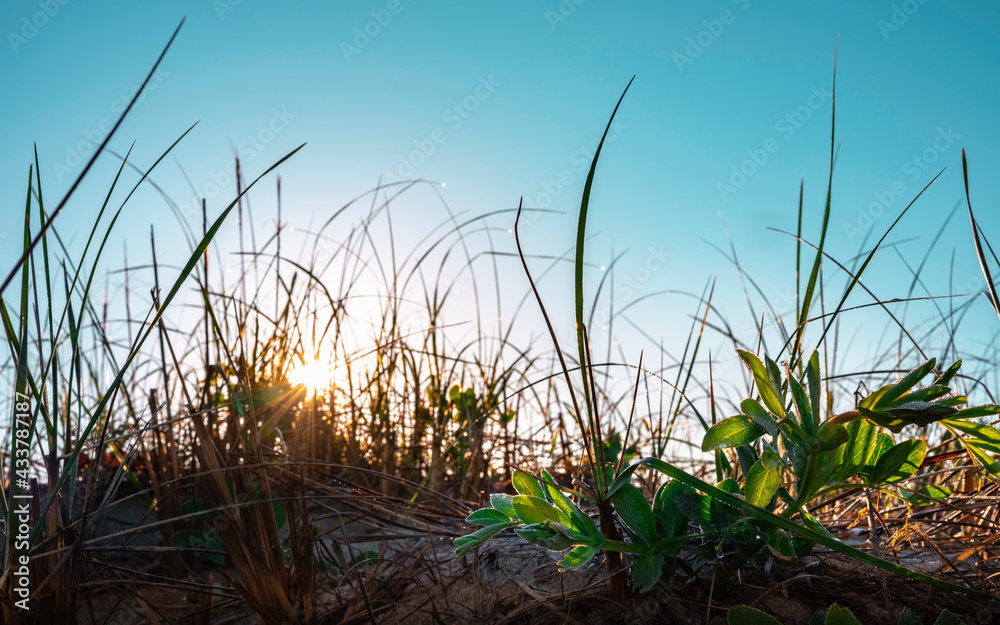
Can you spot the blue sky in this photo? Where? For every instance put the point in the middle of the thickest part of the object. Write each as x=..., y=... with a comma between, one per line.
x=729, y=110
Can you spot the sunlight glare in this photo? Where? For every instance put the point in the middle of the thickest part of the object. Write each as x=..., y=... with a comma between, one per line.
x=314, y=376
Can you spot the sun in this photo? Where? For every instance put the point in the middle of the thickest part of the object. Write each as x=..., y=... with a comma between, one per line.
x=315, y=376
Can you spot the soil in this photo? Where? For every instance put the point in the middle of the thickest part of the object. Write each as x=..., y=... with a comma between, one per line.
x=416, y=579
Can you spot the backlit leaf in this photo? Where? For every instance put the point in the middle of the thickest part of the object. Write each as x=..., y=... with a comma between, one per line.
x=502, y=502
x=535, y=510
x=900, y=462
x=761, y=484
x=860, y=447
x=577, y=557
x=731, y=432
x=974, y=412
x=768, y=388
x=487, y=516
x=546, y=535
x=902, y=387
x=525, y=484
x=756, y=413
x=979, y=430
x=467, y=543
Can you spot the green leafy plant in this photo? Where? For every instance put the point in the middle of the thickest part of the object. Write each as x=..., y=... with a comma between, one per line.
x=815, y=457
x=784, y=451
x=543, y=514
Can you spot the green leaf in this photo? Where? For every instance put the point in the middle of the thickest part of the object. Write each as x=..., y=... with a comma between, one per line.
x=974, y=412
x=646, y=570
x=830, y=436
x=763, y=516
x=779, y=543
x=989, y=464
x=919, y=413
x=811, y=522
x=927, y=393
x=953, y=400
x=899, y=463
x=774, y=372
x=771, y=460
x=573, y=517
x=745, y=615
x=635, y=513
x=719, y=512
x=558, y=499
x=902, y=387
x=861, y=444
x=577, y=557
x=526, y=484
x=990, y=446
x=503, y=503
x=756, y=413
x=979, y=430
x=947, y=618
x=731, y=432
x=670, y=521
x=487, y=516
x=693, y=505
x=928, y=495
x=545, y=535
x=768, y=388
x=801, y=404
x=815, y=387
x=945, y=378
x=761, y=483
x=837, y=615
x=747, y=455
x=883, y=443
x=467, y=543
x=872, y=399
x=535, y=510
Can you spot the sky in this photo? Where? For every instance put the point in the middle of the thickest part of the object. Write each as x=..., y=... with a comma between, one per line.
x=729, y=112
